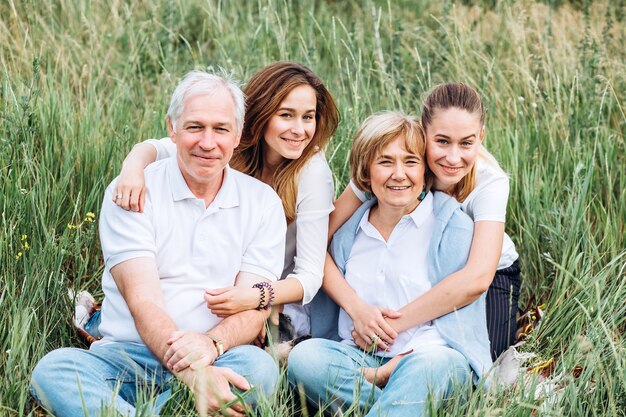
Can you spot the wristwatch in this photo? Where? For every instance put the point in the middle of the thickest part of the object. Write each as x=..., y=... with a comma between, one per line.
x=218, y=344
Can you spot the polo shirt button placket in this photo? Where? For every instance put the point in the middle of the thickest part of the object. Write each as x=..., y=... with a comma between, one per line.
x=198, y=243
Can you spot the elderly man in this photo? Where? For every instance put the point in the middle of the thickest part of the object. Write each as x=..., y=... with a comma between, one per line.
x=204, y=226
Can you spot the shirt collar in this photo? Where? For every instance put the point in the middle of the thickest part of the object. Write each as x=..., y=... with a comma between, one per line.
x=423, y=211
x=418, y=216
x=227, y=196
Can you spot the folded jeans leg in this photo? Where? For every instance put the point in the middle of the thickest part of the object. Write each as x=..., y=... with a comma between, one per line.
x=330, y=373
x=78, y=382
x=430, y=373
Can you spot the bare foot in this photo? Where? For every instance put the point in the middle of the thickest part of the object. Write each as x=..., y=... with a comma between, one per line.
x=376, y=376
x=380, y=376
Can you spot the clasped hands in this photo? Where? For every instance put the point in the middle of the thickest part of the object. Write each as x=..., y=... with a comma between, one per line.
x=190, y=357
x=372, y=328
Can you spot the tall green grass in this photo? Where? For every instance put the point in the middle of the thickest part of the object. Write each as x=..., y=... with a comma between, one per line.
x=81, y=81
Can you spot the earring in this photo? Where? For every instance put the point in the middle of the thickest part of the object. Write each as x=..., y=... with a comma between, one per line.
x=422, y=195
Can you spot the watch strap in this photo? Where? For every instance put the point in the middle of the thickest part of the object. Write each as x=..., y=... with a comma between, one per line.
x=218, y=344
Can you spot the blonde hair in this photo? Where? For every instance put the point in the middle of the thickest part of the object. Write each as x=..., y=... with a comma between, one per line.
x=464, y=97
x=378, y=131
x=265, y=92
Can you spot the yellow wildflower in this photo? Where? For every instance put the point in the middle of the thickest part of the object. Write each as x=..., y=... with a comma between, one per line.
x=18, y=256
x=23, y=237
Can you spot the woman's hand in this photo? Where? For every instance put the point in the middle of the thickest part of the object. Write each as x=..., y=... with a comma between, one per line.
x=224, y=302
x=371, y=327
x=130, y=189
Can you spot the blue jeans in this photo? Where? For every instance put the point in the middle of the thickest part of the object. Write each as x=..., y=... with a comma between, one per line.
x=123, y=376
x=330, y=374
x=93, y=324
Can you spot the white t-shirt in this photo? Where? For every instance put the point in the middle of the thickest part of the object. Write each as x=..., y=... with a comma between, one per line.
x=195, y=248
x=306, y=239
x=487, y=201
x=393, y=273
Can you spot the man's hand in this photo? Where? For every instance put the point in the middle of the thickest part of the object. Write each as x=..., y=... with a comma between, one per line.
x=211, y=388
x=189, y=349
x=371, y=327
x=224, y=302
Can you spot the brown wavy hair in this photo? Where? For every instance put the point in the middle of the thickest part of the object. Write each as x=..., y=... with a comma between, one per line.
x=265, y=92
x=460, y=96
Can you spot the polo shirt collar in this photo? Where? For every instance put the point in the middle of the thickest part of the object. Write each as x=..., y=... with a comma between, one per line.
x=227, y=196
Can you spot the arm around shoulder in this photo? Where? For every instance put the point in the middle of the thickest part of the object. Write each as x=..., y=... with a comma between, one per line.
x=130, y=189
x=462, y=287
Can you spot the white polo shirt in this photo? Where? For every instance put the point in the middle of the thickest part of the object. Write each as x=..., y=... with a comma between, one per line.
x=306, y=240
x=393, y=273
x=195, y=248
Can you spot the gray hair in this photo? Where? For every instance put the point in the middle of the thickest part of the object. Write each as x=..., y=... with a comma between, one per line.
x=200, y=82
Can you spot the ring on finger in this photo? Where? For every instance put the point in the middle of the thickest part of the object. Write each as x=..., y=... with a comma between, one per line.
x=118, y=196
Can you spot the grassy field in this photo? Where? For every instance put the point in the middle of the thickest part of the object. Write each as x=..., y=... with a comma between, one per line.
x=81, y=81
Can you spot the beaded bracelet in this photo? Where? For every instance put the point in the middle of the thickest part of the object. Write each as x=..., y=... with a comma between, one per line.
x=262, y=286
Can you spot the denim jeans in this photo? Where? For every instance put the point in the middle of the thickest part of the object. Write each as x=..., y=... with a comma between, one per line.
x=330, y=374
x=93, y=324
x=77, y=382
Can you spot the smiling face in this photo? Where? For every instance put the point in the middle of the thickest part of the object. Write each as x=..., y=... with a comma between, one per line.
x=292, y=126
x=453, y=140
x=205, y=137
x=397, y=177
